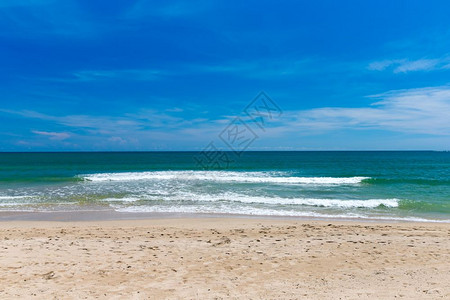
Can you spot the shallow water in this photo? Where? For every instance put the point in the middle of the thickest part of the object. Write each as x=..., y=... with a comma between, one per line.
x=371, y=185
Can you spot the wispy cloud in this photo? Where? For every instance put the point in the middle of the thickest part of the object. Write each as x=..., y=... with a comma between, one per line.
x=140, y=75
x=421, y=112
x=257, y=68
x=414, y=111
x=417, y=65
x=247, y=69
x=59, y=136
x=143, y=125
x=175, y=109
x=406, y=65
x=279, y=69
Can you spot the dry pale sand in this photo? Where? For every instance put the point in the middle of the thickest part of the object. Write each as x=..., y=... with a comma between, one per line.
x=214, y=258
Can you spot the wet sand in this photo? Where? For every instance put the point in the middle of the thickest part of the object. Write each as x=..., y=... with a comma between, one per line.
x=215, y=258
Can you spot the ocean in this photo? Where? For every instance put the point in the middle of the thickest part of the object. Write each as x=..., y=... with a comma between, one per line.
x=372, y=185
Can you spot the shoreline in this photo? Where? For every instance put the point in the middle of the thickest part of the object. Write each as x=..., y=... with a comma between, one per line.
x=112, y=215
x=174, y=220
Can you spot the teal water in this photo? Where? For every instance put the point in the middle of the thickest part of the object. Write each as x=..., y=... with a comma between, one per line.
x=370, y=185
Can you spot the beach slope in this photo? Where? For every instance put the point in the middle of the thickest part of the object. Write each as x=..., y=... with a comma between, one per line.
x=210, y=258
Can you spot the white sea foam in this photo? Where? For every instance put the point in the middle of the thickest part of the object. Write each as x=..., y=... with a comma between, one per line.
x=11, y=201
x=13, y=197
x=222, y=176
x=252, y=211
x=8, y=204
x=338, y=203
x=240, y=198
x=125, y=199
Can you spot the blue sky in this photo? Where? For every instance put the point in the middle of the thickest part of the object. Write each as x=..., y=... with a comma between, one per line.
x=171, y=75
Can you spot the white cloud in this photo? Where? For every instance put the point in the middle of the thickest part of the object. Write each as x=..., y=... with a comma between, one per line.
x=253, y=69
x=417, y=65
x=264, y=69
x=143, y=75
x=381, y=65
x=415, y=111
x=175, y=109
x=117, y=139
x=143, y=125
x=406, y=65
x=59, y=136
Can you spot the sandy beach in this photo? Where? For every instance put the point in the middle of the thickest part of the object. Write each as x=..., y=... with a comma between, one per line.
x=223, y=258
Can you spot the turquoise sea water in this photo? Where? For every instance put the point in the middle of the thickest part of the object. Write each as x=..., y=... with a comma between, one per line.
x=370, y=185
